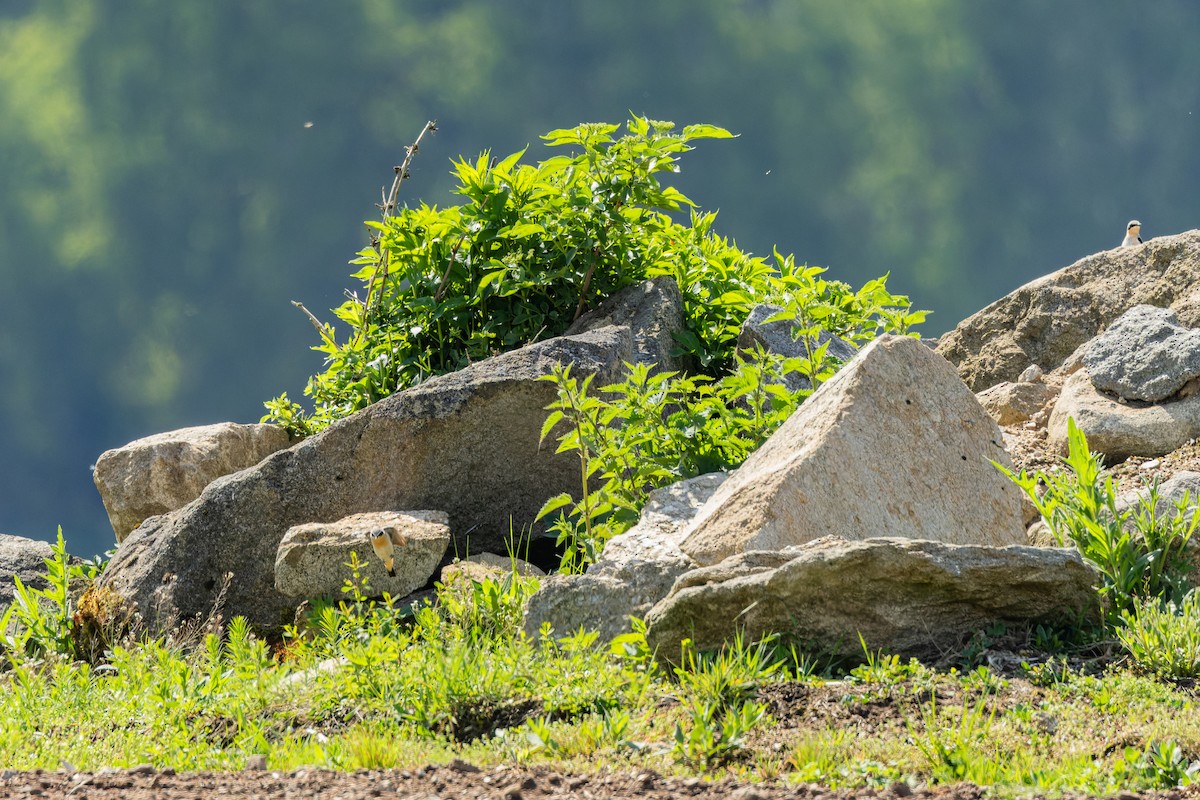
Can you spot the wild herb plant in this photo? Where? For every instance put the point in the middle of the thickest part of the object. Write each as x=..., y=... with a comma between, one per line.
x=536, y=245
x=1163, y=640
x=533, y=246
x=952, y=745
x=651, y=430
x=886, y=670
x=1138, y=552
x=718, y=694
x=43, y=622
x=1161, y=764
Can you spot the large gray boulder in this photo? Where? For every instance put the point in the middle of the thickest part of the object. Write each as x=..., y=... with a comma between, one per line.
x=1145, y=355
x=635, y=571
x=893, y=445
x=167, y=471
x=653, y=312
x=311, y=559
x=22, y=558
x=904, y=596
x=1120, y=430
x=1046, y=320
x=466, y=442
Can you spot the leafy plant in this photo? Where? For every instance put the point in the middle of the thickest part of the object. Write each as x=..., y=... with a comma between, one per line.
x=953, y=750
x=1159, y=765
x=43, y=622
x=884, y=669
x=651, y=430
x=1164, y=639
x=718, y=691
x=533, y=246
x=1138, y=552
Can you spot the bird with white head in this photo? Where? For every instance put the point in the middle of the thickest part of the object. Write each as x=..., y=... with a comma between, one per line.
x=1133, y=233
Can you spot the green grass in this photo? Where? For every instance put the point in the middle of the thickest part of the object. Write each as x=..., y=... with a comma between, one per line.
x=365, y=686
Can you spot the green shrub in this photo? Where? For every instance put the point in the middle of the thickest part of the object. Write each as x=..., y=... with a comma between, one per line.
x=529, y=250
x=1138, y=553
x=44, y=622
x=535, y=245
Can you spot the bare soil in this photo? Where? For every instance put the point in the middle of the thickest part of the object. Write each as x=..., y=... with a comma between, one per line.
x=458, y=781
x=455, y=782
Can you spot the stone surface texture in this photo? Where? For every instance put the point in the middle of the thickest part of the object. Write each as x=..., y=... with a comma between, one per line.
x=1045, y=320
x=24, y=558
x=489, y=565
x=893, y=445
x=1120, y=430
x=635, y=571
x=1013, y=403
x=652, y=310
x=161, y=473
x=466, y=442
x=311, y=559
x=1145, y=355
x=904, y=596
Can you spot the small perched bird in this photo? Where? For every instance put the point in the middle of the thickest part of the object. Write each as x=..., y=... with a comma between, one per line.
x=1133, y=233
x=384, y=543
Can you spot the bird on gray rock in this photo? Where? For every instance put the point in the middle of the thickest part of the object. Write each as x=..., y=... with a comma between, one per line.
x=1133, y=233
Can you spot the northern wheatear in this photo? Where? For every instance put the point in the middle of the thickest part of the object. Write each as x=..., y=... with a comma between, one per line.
x=1132, y=233
x=384, y=543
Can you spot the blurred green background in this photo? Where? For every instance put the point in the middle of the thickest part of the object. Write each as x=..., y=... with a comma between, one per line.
x=173, y=174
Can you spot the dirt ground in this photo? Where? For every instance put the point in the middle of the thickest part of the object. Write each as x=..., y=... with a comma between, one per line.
x=453, y=782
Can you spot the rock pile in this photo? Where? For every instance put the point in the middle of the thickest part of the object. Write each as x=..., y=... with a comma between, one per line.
x=874, y=511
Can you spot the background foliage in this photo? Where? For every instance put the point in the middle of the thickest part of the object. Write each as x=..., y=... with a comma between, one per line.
x=163, y=197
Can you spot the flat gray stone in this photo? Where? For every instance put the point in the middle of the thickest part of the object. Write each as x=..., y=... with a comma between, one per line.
x=635, y=571
x=903, y=596
x=311, y=559
x=1145, y=355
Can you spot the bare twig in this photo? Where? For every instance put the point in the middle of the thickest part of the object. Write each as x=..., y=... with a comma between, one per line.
x=321, y=329
x=388, y=208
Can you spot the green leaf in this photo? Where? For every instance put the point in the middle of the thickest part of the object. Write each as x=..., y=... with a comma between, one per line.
x=554, y=503
x=547, y=426
x=703, y=131
x=522, y=230
x=496, y=276
x=505, y=166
